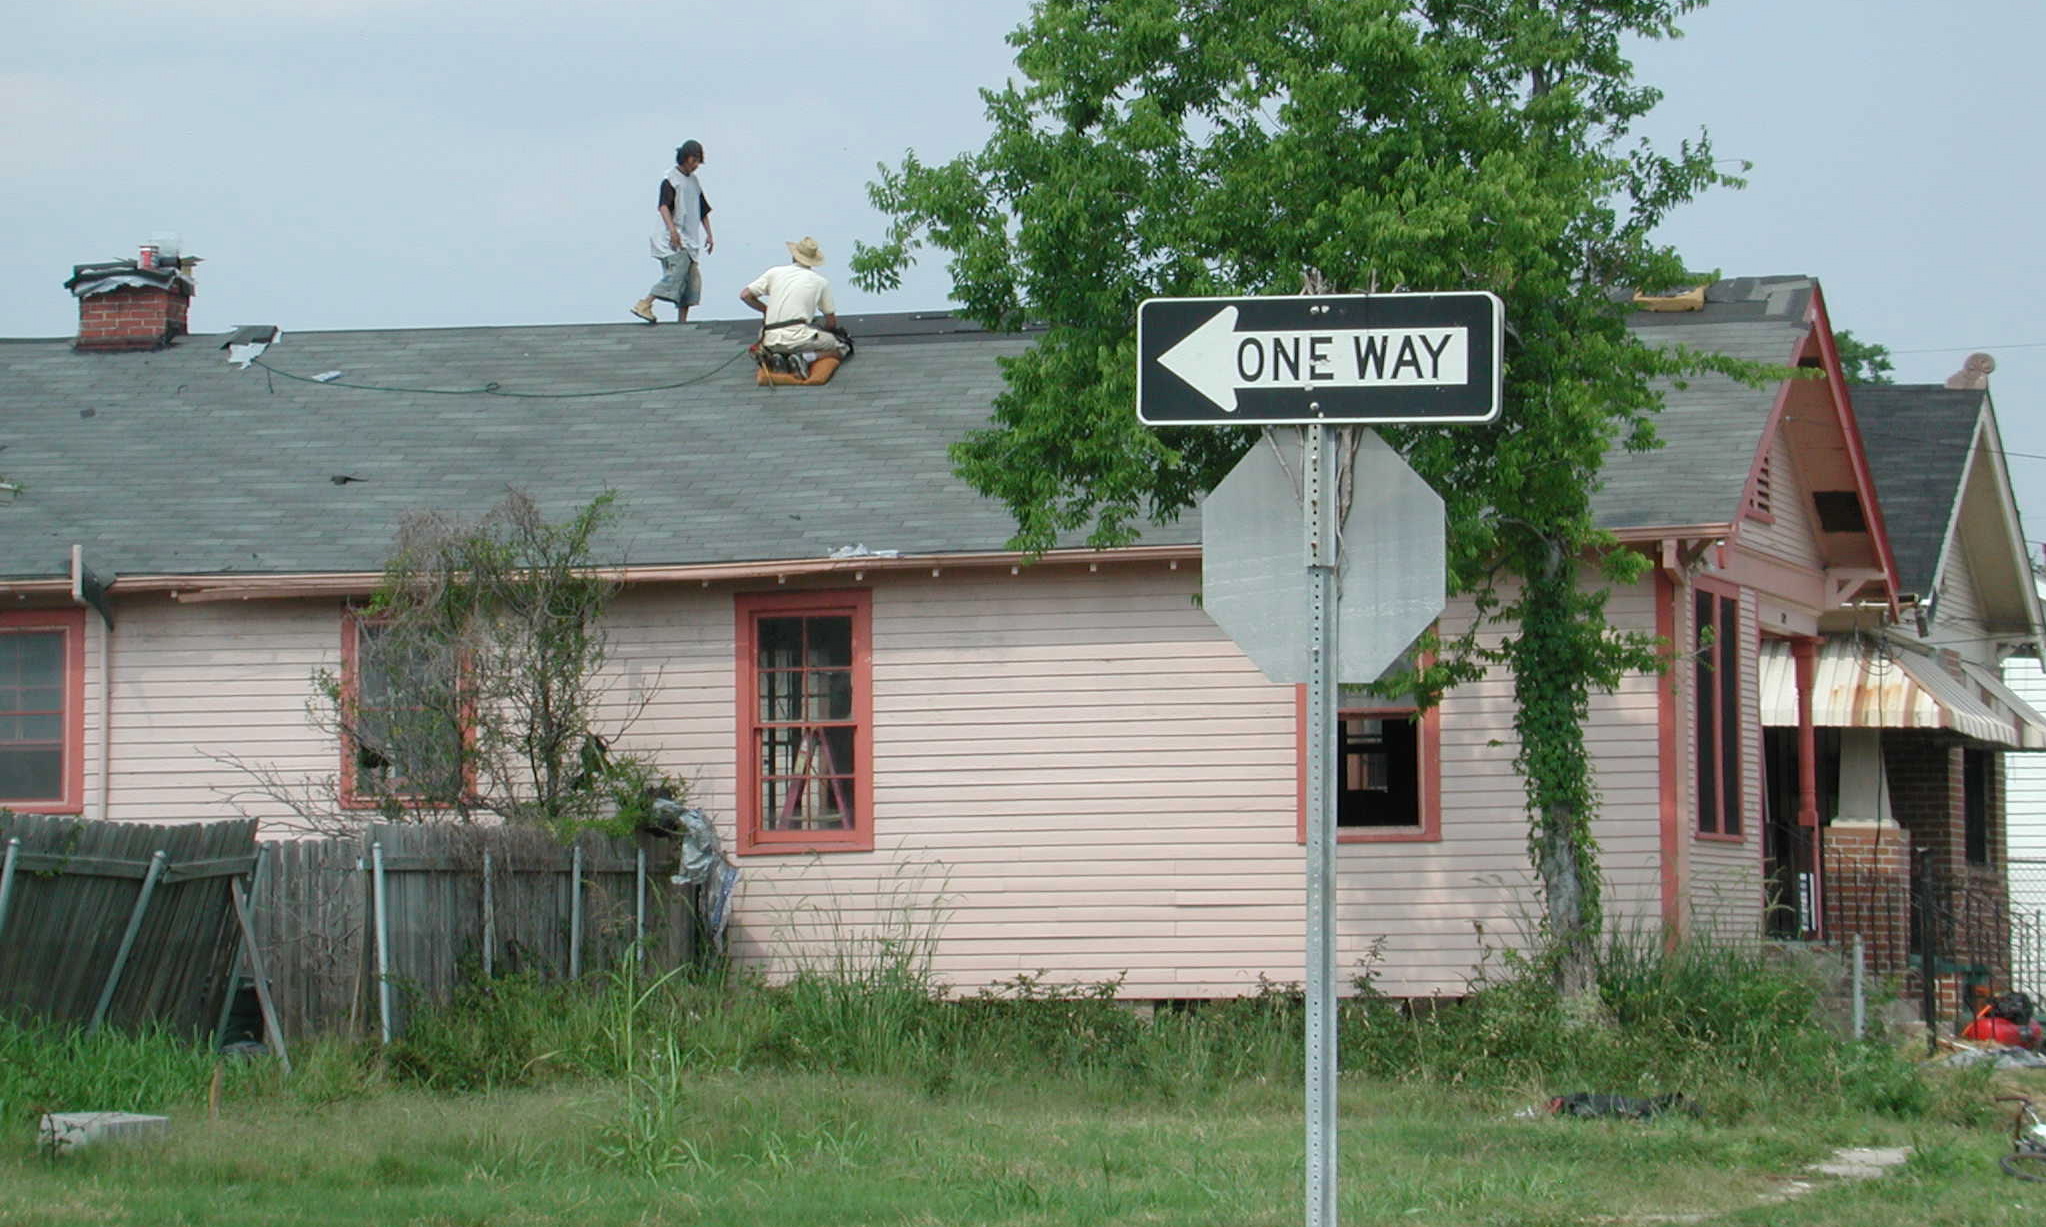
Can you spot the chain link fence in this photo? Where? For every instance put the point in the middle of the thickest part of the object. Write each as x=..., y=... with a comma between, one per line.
x=2028, y=926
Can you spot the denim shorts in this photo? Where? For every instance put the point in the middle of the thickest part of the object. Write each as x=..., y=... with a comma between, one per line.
x=681, y=280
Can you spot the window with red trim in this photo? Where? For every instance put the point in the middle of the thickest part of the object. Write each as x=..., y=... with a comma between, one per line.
x=405, y=727
x=1388, y=773
x=42, y=711
x=1716, y=643
x=805, y=708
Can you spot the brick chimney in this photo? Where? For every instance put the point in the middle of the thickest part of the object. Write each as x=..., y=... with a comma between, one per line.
x=133, y=304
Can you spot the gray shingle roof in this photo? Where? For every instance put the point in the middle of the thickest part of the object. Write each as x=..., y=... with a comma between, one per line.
x=1710, y=428
x=176, y=462
x=1917, y=438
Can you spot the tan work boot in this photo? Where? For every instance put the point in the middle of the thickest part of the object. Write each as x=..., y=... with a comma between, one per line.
x=644, y=309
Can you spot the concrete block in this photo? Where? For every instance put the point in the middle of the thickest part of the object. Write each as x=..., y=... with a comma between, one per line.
x=62, y=1131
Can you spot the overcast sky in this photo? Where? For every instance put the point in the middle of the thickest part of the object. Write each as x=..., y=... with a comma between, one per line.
x=418, y=163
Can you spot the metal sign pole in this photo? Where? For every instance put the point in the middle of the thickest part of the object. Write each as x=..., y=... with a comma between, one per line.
x=1318, y=494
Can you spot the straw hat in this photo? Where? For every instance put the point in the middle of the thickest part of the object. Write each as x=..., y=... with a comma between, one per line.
x=806, y=252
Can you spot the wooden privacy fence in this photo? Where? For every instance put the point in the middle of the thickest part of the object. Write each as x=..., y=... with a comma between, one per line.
x=118, y=924
x=355, y=932
x=124, y=923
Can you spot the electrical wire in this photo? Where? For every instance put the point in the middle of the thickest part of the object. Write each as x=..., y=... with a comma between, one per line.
x=1961, y=349
x=1924, y=442
x=495, y=389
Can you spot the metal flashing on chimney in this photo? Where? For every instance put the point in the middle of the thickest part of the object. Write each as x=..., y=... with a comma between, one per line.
x=110, y=275
x=139, y=304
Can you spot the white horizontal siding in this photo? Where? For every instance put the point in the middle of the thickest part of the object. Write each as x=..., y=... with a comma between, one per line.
x=1075, y=773
x=1100, y=809
x=1788, y=534
x=197, y=688
x=2025, y=794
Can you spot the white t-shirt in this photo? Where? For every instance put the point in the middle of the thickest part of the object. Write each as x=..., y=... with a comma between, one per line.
x=793, y=292
x=687, y=208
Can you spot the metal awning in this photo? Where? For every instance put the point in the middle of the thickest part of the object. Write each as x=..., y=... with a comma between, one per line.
x=2031, y=725
x=1880, y=682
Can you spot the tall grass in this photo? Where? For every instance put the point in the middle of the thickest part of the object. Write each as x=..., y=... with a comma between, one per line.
x=66, y=1069
x=1735, y=1020
x=1727, y=1024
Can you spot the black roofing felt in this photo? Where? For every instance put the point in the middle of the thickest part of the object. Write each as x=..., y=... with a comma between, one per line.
x=177, y=462
x=1917, y=438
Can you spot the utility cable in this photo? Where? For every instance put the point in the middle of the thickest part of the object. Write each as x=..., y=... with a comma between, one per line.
x=495, y=389
x=1956, y=349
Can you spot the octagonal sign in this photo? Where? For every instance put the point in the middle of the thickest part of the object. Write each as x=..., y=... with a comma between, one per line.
x=1254, y=577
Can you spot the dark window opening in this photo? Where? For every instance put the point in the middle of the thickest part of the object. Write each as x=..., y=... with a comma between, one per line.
x=1839, y=511
x=1381, y=771
x=1716, y=686
x=1976, y=778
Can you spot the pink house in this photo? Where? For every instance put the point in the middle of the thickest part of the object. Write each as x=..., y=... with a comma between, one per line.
x=1002, y=767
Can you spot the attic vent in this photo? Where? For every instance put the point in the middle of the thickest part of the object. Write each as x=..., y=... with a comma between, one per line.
x=1758, y=496
x=1839, y=511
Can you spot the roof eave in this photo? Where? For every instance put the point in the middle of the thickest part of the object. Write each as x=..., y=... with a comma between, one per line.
x=1857, y=455
x=344, y=584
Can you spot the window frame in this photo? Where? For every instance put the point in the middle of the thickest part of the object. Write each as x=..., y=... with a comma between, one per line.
x=71, y=624
x=1724, y=818
x=748, y=609
x=1428, y=772
x=349, y=794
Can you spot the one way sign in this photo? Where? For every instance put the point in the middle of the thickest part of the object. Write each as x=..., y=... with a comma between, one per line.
x=1329, y=358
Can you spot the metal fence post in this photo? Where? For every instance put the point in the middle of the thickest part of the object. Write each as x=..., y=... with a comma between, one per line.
x=489, y=920
x=106, y=994
x=7, y=879
x=383, y=939
x=639, y=908
x=575, y=914
x=1860, y=989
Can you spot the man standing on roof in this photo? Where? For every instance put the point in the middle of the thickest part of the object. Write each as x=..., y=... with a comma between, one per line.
x=789, y=295
x=683, y=207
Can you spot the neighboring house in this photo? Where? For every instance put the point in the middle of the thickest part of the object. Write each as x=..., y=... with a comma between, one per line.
x=1014, y=767
x=2025, y=838
x=1915, y=718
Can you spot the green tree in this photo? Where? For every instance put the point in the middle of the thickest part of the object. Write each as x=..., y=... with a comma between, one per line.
x=1862, y=361
x=1189, y=147
x=477, y=676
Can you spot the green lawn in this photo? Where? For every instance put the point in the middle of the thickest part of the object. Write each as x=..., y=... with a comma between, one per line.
x=790, y=1149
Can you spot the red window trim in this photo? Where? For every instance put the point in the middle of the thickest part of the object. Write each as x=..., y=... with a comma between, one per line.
x=1744, y=753
x=748, y=607
x=349, y=798
x=1430, y=783
x=71, y=622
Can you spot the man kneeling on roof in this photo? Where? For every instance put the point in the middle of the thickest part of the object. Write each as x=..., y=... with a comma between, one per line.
x=789, y=296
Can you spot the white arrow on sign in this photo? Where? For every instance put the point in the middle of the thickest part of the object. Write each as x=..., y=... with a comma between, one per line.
x=1218, y=361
